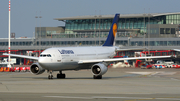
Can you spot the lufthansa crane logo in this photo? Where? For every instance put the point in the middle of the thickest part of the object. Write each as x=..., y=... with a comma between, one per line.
x=114, y=29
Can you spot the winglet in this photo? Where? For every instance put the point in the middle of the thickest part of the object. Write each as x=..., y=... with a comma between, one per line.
x=112, y=32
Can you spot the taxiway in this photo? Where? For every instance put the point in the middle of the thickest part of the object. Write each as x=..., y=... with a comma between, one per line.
x=122, y=84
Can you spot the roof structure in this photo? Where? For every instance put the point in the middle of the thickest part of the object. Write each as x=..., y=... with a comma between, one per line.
x=112, y=16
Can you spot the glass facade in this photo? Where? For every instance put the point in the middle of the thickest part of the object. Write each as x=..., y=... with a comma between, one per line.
x=95, y=35
x=99, y=27
x=47, y=32
x=92, y=42
x=104, y=24
x=173, y=19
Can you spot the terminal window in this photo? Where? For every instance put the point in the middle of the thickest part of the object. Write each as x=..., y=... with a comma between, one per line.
x=162, y=30
x=167, y=30
x=172, y=30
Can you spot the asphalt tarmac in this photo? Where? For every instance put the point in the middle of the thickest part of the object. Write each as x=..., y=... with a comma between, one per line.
x=122, y=84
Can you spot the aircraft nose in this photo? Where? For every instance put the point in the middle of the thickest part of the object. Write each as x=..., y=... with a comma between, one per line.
x=44, y=60
x=41, y=60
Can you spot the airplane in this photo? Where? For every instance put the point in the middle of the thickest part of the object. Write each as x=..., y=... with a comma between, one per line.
x=96, y=58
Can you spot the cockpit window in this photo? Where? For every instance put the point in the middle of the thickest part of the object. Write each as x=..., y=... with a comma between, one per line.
x=45, y=55
x=48, y=55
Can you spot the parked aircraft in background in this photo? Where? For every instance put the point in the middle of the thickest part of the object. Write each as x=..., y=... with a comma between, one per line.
x=76, y=58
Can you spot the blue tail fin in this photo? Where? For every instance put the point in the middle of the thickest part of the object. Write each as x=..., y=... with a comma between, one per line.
x=112, y=32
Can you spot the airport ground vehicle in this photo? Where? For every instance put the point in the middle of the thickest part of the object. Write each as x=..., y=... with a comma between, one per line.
x=159, y=66
x=149, y=66
x=17, y=69
x=27, y=69
x=169, y=65
x=176, y=66
x=1, y=69
x=163, y=64
x=146, y=66
x=4, y=67
x=23, y=69
x=120, y=65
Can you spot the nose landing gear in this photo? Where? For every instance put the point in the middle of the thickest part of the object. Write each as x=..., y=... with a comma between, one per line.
x=50, y=75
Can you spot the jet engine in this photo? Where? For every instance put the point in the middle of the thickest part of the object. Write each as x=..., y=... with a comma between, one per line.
x=36, y=69
x=99, y=69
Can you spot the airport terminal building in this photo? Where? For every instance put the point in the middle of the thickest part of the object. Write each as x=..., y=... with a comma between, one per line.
x=157, y=31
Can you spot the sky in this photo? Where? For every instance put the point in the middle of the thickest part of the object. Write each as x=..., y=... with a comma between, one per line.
x=23, y=12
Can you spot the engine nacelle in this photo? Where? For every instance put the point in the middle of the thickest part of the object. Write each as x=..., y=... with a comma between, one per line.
x=99, y=69
x=36, y=69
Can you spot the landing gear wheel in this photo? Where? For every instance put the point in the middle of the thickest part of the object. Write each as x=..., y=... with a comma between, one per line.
x=97, y=77
x=50, y=77
x=60, y=75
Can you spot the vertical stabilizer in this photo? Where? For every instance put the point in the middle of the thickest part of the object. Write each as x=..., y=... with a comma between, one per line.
x=112, y=33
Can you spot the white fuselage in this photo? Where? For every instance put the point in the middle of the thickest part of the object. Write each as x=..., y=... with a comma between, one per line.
x=67, y=58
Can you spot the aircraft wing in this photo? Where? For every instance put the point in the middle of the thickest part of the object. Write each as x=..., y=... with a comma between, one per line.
x=177, y=50
x=22, y=56
x=121, y=59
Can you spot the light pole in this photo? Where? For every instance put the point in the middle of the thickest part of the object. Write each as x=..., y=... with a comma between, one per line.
x=144, y=31
x=36, y=36
x=95, y=30
x=39, y=35
x=9, y=48
x=99, y=28
x=149, y=31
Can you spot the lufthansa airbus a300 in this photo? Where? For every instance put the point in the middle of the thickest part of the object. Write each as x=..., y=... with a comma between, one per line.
x=76, y=58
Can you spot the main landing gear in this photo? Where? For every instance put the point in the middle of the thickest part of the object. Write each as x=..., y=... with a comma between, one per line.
x=97, y=77
x=60, y=75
